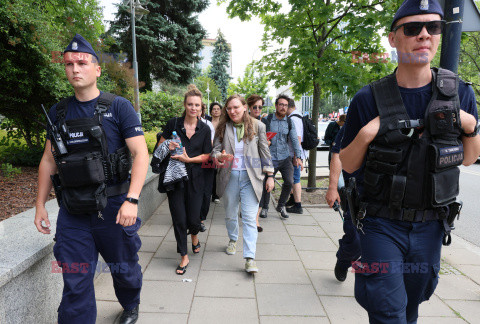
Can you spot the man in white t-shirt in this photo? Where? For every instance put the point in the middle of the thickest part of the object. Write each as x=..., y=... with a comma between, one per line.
x=294, y=203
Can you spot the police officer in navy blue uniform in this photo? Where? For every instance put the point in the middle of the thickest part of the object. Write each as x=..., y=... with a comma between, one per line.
x=407, y=133
x=349, y=245
x=97, y=196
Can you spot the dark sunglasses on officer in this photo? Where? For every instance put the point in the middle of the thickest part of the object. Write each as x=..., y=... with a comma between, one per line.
x=257, y=107
x=414, y=28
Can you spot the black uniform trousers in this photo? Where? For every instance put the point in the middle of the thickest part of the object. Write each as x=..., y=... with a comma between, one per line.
x=185, y=203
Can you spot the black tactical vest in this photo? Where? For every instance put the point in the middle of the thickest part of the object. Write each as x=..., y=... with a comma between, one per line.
x=413, y=164
x=88, y=174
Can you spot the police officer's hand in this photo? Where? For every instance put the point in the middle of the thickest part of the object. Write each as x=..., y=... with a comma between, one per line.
x=41, y=215
x=127, y=214
x=370, y=131
x=332, y=196
x=183, y=157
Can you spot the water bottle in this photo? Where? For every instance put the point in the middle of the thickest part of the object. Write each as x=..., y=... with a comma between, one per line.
x=176, y=139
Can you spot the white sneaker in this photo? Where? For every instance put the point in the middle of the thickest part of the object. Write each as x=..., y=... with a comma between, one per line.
x=231, y=247
x=251, y=266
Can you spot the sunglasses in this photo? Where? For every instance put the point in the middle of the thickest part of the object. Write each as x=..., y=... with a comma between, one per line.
x=415, y=27
x=257, y=107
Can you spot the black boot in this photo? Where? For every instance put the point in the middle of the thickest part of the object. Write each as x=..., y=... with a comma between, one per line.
x=340, y=272
x=290, y=201
x=129, y=317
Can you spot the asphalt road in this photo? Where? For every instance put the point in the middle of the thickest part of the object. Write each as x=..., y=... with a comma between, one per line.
x=468, y=226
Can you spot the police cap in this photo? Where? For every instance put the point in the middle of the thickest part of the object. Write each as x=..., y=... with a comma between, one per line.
x=417, y=7
x=80, y=44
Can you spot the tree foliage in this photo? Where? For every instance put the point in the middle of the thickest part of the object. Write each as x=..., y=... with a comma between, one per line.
x=253, y=82
x=31, y=32
x=219, y=64
x=321, y=36
x=203, y=82
x=168, y=39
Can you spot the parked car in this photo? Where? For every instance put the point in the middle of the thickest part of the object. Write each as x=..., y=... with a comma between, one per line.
x=322, y=127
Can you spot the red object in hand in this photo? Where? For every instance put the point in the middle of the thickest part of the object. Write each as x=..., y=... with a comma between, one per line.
x=270, y=135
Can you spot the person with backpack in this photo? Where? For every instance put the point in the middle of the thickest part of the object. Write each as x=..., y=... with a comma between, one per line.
x=331, y=133
x=294, y=203
x=281, y=124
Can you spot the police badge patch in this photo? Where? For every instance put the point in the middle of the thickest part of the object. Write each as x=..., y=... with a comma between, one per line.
x=74, y=46
x=424, y=5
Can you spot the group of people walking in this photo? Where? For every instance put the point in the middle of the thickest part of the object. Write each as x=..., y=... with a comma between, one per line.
x=226, y=156
x=403, y=140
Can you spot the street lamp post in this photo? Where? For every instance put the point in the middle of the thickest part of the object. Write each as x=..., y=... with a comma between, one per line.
x=136, y=9
x=208, y=94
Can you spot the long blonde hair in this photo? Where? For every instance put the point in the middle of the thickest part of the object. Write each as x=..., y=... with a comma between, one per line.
x=224, y=119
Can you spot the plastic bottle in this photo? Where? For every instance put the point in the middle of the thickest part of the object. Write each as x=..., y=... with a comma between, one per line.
x=176, y=138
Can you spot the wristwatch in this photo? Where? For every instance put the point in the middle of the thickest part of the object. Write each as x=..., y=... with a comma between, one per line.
x=270, y=176
x=132, y=200
x=472, y=134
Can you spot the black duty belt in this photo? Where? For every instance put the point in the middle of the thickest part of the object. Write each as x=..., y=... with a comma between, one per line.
x=404, y=214
x=118, y=189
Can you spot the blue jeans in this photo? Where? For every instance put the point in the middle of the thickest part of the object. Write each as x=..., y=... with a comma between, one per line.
x=239, y=193
x=296, y=174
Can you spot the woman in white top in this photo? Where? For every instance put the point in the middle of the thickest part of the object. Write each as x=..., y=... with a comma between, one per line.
x=243, y=156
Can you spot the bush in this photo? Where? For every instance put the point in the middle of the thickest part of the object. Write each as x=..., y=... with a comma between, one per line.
x=157, y=108
x=151, y=139
x=14, y=150
x=9, y=171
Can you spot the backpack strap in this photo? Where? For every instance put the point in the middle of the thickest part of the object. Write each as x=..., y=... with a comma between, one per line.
x=61, y=109
x=104, y=102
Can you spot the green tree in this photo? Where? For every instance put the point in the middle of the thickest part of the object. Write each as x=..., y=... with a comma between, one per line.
x=203, y=82
x=168, y=40
x=31, y=38
x=253, y=82
x=219, y=64
x=322, y=36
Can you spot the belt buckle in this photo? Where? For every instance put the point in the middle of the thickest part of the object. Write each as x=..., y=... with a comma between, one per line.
x=408, y=215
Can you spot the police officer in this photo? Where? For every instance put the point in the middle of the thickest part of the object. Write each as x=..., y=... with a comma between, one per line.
x=349, y=245
x=98, y=201
x=407, y=133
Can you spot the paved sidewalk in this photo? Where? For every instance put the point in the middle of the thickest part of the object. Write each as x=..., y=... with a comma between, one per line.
x=295, y=284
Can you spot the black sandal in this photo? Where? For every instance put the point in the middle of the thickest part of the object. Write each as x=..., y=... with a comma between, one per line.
x=194, y=247
x=183, y=269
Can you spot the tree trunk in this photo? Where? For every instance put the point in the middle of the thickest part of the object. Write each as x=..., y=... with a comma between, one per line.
x=312, y=165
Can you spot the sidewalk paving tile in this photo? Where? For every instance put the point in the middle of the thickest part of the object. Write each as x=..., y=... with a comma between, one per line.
x=318, y=260
x=220, y=229
x=222, y=261
x=164, y=270
x=104, y=288
x=108, y=311
x=233, y=284
x=457, y=287
x=271, y=225
x=150, y=243
x=303, y=243
x=460, y=256
x=440, y=320
x=163, y=218
x=279, y=238
x=332, y=227
x=167, y=296
x=472, y=271
x=223, y=310
x=300, y=230
x=153, y=230
x=219, y=244
x=435, y=307
x=326, y=284
x=288, y=299
x=161, y=318
x=293, y=320
x=342, y=310
x=144, y=259
x=273, y=252
x=326, y=217
x=300, y=220
x=288, y=272
x=469, y=310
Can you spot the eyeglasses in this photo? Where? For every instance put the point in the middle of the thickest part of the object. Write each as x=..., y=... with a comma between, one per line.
x=282, y=105
x=415, y=27
x=257, y=107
